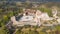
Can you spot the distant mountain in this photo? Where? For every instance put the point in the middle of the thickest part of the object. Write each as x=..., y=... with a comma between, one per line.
x=35, y=0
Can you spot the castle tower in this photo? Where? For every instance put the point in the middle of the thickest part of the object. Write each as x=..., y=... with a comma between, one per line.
x=38, y=21
x=54, y=12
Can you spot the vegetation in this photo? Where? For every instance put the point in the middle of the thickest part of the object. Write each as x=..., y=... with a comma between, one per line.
x=47, y=10
x=37, y=30
x=4, y=30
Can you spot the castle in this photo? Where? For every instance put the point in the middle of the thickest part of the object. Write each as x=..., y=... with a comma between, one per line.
x=33, y=18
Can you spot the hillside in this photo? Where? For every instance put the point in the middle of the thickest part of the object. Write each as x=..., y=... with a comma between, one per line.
x=11, y=8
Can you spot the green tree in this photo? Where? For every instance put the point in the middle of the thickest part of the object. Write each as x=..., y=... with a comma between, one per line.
x=5, y=19
x=10, y=14
x=4, y=30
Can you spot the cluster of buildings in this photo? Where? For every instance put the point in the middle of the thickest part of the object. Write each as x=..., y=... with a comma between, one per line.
x=33, y=18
